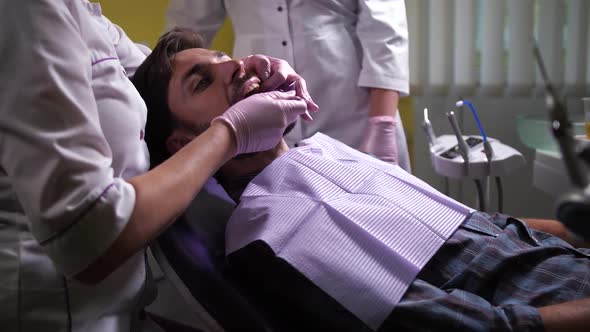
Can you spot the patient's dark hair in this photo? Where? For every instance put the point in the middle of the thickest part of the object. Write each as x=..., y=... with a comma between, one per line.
x=151, y=80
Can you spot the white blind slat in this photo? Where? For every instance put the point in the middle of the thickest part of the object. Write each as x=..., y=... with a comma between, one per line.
x=418, y=36
x=464, y=49
x=576, y=47
x=492, y=46
x=440, y=44
x=550, y=39
x=521, y=70
x=459, y=46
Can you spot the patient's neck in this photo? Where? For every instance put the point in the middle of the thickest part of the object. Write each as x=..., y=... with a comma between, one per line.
x=237, y=173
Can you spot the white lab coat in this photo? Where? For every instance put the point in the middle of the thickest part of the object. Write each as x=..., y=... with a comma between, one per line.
x=340, y=47
x=71, y=130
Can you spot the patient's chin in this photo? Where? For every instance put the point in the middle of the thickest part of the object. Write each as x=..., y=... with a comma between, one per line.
x=253, y=154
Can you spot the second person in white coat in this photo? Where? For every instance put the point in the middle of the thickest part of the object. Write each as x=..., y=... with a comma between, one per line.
x=353, y=55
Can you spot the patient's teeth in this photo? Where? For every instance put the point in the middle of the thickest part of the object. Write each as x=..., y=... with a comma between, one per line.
x=251, y=88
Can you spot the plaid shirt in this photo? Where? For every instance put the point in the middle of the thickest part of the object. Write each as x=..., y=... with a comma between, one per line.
x=491, y=276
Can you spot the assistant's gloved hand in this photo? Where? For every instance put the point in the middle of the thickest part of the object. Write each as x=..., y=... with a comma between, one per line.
x=379, y=138
x=276, y=73
x=258, y=122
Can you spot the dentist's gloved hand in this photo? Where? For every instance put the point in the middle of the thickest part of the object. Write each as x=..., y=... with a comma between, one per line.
x=379, y=138
x=259, y=121
x=275, y=74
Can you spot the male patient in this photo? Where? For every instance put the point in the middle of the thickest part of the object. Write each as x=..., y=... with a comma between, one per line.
x=334, y=240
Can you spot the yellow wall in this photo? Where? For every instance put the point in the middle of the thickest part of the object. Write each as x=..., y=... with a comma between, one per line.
x=143, y=21
x=406, y=109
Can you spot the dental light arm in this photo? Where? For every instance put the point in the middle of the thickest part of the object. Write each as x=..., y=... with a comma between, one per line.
x=573, y=208
x=561, y=128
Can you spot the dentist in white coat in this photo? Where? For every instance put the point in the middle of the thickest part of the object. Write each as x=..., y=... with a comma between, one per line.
x=78, y=205
x=353, y=55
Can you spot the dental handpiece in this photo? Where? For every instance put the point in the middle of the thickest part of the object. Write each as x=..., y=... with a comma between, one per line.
x=427, y=126
x=488, y=151
x=487, y=146
x=463, y=148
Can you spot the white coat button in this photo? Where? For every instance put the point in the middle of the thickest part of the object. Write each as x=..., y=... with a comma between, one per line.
x=284, y=43
x=280, y=8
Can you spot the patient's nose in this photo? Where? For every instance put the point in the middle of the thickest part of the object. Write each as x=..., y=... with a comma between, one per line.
x=231, y=70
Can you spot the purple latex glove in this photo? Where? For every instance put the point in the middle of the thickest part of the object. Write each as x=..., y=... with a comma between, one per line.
x=276, y=73
x=379, y=138
x=258, y=122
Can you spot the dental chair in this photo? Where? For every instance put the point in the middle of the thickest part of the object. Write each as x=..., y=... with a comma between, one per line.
x=191, y=256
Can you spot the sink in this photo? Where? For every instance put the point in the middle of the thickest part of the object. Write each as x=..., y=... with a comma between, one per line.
x=535, y=132
x=549, y=172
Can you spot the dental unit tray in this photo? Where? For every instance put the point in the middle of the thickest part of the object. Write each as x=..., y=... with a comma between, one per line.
x=448, y=161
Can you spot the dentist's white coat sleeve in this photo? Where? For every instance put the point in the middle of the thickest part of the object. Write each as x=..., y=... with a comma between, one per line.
x=202, y=16
x=52, y=148
x=383, y=32
x=130, y=54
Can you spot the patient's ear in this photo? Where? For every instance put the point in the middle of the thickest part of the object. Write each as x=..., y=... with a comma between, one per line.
x=177, y=140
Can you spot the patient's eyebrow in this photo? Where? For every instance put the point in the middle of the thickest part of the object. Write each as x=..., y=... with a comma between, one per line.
x=199, y=68
x=196, y=69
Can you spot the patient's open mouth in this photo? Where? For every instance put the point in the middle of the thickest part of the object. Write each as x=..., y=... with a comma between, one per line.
x=250, y=87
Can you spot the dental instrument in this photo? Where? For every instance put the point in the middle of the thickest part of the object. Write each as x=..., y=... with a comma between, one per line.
x=461, y=144
x=427, y=126
x=461, y=156
x=489, y=152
